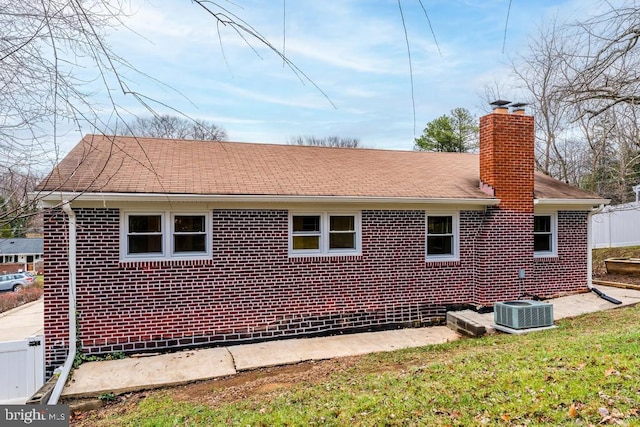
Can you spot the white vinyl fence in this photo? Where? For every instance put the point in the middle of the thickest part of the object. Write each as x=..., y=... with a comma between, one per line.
x=616, y=226
x=21, y=369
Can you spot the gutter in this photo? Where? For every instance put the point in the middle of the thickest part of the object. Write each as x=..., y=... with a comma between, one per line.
x=66, y=368
x=569, y=204
x=590, y=259
x=54, y=198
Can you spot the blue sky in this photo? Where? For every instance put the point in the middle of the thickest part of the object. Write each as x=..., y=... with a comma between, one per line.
x=353, y=50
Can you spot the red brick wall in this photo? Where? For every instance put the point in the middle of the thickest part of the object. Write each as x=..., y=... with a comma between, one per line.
x=505, y=246
x=507, y=158
x=252, y=290
x=567, y=272
x=56, y=296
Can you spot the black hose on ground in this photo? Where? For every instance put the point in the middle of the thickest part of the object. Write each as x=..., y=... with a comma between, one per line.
x=533, y=297
x=606, y=297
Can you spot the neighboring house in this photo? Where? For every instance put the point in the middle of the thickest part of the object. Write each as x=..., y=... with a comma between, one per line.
x=21, y=254
x=188, y=243
x=616, y=226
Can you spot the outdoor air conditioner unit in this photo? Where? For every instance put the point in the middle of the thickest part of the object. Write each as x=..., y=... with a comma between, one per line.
x=523, y=314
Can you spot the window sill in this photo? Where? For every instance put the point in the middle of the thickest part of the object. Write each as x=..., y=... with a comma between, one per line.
x=304, y=258
x=545, y=257
x=318, y=254
x=443, y=262
x=150, y=264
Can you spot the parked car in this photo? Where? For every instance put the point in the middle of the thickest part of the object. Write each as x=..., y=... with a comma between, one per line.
x=14, y=282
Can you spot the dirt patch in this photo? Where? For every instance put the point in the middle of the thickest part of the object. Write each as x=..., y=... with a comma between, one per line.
x=256, y=385
x=260, y=382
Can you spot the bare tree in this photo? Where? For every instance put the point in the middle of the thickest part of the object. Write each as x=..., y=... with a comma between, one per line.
x=51, y=52
x=15, y=207
x=540, y=73
x=581, y=82
x=327, y=141
x=602, y=60
x=167, y=126
x=54, y=57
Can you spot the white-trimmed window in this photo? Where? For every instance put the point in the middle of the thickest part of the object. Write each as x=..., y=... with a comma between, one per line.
x=165, y=235
x=544, y=235
x=442, y=237
x=324, y=233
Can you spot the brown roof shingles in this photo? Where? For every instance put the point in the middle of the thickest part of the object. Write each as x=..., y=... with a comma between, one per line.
x=166, y=166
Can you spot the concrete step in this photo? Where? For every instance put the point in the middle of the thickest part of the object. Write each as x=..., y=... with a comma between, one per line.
x=470, y=323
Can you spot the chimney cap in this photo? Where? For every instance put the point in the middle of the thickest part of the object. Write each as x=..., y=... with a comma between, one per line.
x=500, y=103
x=519, y=104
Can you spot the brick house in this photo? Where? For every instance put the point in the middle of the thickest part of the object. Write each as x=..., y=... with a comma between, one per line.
x=189, y=243
x=21, y=254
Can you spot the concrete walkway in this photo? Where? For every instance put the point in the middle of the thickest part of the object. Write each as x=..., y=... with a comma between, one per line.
x=119, y=376
x=137, y=373
x=22, y=322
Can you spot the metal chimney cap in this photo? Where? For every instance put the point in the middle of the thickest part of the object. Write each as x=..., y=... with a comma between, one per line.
x=500, y=103
x=519, y=104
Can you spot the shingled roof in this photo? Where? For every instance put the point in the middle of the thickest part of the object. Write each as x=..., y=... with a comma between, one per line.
x=107, y=164
x=21, y=246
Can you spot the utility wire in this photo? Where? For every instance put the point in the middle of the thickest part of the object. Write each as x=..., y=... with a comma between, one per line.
x=506, y=24
x=406, y=38
x=433, y=33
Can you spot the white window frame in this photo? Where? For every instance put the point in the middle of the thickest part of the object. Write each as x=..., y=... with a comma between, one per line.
x=554, y=236
x=455, y=218
x=168, y=250
x=324, y=250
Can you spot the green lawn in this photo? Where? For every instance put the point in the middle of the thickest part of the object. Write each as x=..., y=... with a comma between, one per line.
x=585, y=372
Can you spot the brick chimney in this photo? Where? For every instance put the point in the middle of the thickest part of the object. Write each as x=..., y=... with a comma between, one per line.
x=507, y=156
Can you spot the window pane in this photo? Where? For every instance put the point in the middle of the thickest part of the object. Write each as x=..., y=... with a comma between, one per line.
x=141, y=244
x=342, y=223
x=189, y=243
x=145, y=224
x=439, y=245
x=188, y=223
x=542, y=243
x=306, y=223
x=306, y=242
x=342, y=241
x=542, y=224
x=440, y=225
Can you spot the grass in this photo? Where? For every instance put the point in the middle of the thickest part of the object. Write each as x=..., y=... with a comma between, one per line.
x=584, y=372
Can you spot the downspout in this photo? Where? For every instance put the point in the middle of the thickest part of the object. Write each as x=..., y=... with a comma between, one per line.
x=590, y=259
x=66, y=368
x=590, y=245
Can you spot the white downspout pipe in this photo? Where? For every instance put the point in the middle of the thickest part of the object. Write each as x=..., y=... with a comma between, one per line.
x=66, y=368
x=590, y=245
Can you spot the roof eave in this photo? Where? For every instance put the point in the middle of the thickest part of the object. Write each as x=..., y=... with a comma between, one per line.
x=55, y=198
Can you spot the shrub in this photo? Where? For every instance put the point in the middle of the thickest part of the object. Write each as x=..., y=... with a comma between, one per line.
x=10, y=299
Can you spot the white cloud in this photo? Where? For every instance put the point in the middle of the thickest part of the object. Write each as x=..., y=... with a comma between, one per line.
x=354, y=50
